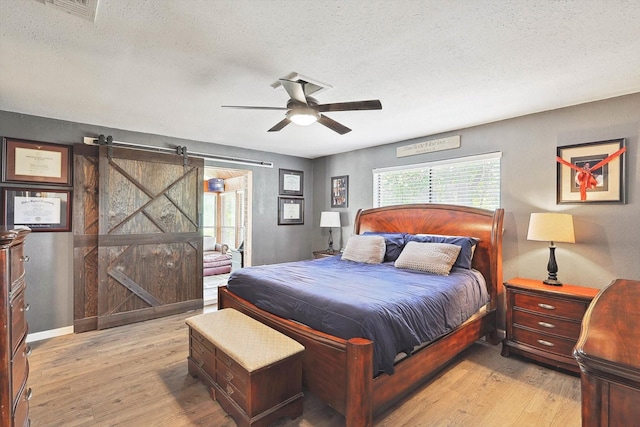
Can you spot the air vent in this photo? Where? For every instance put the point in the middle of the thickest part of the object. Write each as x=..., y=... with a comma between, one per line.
x=85, y=9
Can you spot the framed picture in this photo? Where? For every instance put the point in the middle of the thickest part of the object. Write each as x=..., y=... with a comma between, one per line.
x=38, y=209
x=36, y=162
x=290, y=211
x=291, y=182
x=340, y=191
x=592, y=172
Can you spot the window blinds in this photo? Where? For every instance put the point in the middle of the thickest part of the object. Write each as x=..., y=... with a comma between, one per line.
x=469, y=181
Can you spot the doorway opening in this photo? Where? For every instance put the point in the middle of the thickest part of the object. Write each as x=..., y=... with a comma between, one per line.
x=226, y=227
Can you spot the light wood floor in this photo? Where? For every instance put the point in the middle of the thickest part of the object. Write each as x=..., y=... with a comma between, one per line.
x=136, y=375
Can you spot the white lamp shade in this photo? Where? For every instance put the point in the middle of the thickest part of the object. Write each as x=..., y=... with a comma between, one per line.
x=551, y=227
x=330, y=219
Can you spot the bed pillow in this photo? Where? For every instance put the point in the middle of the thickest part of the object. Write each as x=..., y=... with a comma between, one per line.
x=437, y=258
x=368, y=249
x=208, y=243
x=394, y=243
x=467, y=246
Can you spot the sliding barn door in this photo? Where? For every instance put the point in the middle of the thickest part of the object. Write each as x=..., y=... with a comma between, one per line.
x=149, y=238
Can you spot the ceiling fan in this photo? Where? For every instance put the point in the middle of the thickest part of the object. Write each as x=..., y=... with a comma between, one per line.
x=304, y=110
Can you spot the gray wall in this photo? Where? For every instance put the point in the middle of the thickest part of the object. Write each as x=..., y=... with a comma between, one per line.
x=50, y=269
x=607, y=235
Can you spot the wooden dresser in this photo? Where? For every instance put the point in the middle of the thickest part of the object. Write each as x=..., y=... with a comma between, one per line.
x=14, y=367
x=608, y=353
x=543, y=321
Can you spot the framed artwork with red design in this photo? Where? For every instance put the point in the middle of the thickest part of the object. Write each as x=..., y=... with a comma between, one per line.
x=592, y=172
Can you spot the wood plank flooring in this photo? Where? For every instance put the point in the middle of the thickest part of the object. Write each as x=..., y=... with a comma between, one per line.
x=136, y=375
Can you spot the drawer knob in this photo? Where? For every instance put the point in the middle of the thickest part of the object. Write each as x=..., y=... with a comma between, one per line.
x=24, y=258
x=547, y=343
x=546, y=324
x=28, y=395
x=229, y=390
x=546, y=306
x=28, y=351
x=228, y=376
x=201, y=363
x=26, y=308
x=229, y=361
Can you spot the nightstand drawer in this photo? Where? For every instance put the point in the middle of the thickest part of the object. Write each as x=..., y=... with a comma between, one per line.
x=544, y=342
x=549, y=305
x=547, y=324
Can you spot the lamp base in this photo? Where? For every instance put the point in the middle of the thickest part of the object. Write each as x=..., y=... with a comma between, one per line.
x=552, y=282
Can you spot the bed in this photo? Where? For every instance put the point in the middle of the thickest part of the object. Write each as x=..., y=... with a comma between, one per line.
x=341, y=371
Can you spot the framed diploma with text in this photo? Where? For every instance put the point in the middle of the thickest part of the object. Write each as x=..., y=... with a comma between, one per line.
x=40, y=210
x=35, y=162
x=291, y=182
x=290, y=210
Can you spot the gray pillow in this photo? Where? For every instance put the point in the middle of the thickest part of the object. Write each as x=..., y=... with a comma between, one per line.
x=437, y=258
x=368, y=249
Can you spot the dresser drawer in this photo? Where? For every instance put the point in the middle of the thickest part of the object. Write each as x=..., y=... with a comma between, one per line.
x=18, y=321
x=549, y=305
x=544, y=342
x=17, y=264
x=203, y=357
x=547, y=324
x=21, y=414
x=20, y=369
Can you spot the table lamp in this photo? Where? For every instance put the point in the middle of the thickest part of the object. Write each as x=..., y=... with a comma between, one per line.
x=330, y=219
x=551, y=227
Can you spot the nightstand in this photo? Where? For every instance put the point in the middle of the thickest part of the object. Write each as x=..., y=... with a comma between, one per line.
x=324, y=254
x=543, y=322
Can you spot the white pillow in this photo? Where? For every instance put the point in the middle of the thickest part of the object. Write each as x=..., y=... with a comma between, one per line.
x=368, y=249
x=208, y=243
x=435, y=258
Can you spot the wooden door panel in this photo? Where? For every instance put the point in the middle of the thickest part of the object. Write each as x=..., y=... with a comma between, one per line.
x=85, y=237
x=149, y=244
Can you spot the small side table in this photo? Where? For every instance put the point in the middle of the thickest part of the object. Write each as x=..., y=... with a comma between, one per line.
x=324, y=254
x=543, y=322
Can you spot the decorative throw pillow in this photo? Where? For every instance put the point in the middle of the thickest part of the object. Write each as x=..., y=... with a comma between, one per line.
x=394, y=242
x=467, y=246
x=435, y=258
x=208, y=243
x=368, y=249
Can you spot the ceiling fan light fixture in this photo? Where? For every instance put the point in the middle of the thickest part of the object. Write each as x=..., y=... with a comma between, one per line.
x=303, y=116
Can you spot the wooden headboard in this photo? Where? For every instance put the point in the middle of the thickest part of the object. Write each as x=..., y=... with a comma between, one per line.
x=450, y=220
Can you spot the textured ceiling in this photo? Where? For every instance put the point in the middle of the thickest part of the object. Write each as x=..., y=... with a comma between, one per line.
x=166, y=66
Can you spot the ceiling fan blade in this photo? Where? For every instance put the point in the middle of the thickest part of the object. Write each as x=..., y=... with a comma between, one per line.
x=248, y=107
x=282, y=123
x=295, y=90
x=333, y=125
x=373, y=104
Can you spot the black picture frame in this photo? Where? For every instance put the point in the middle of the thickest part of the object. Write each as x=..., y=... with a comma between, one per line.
x=609, y=180
x=290, y=211
x=38, y=209
x=339, y=191
x=291, y=182
x=33, y=162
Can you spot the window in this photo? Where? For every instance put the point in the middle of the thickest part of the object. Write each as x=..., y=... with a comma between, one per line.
x=468, y=181
x=209, y=214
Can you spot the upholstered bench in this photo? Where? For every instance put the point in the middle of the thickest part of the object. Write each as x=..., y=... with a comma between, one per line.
x=253, y=371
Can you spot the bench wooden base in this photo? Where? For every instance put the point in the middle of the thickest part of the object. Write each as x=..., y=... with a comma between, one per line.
x=253, y=397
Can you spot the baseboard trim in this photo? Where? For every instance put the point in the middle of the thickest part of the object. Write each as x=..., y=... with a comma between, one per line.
x=51, y=333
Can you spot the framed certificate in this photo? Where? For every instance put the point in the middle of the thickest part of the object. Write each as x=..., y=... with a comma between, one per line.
x=40, y=210
x=291, y=182
x=290, y=211
x=36, y=162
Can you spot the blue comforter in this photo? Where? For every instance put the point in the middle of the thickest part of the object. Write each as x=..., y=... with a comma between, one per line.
x=396, y=309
